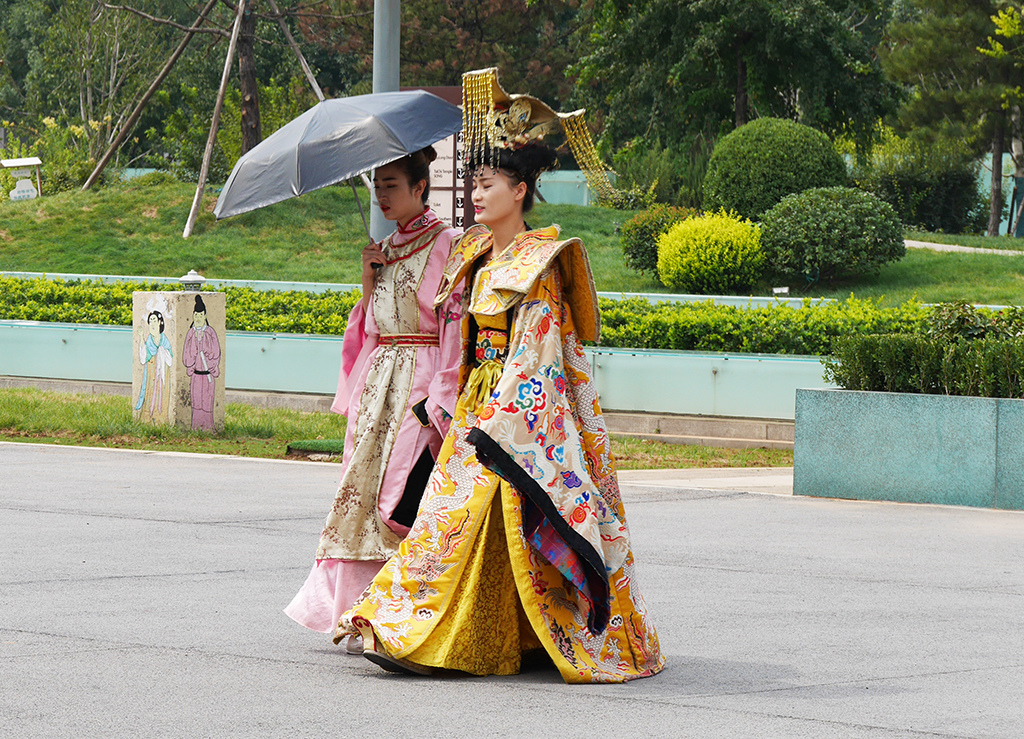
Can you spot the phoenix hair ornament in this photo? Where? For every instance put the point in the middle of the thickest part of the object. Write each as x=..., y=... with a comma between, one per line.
x=493, y=119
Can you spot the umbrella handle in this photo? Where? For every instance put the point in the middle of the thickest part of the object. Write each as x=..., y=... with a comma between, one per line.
x=359, y=204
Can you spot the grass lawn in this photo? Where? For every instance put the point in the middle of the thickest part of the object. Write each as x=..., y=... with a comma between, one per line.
x=135, y=228
x=933, y=277
x=29, y=415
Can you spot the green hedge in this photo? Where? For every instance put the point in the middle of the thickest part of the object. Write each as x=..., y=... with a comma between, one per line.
x=632, y=323
x=989, y=368
x=812, y=329
x=87, y=301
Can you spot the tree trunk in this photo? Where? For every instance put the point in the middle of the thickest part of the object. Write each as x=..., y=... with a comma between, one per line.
x=742, y=103
x=252, y=132
x=1017, y=147
x=996, y=211
x=1017, y=142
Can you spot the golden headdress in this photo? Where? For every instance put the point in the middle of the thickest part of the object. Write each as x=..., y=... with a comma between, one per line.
x=494, y=119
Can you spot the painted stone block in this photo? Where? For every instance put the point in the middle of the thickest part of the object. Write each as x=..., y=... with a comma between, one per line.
x=178, y=358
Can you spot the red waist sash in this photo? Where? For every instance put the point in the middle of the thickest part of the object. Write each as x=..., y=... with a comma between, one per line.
x=407, y=340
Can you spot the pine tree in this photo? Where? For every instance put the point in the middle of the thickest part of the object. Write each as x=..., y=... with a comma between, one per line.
x=956, y=92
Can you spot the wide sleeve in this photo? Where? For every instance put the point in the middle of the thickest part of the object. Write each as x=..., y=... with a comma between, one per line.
x=528, y=435
x=190, y=352
x=444, y=385
x=213, y=352
x=359, y=341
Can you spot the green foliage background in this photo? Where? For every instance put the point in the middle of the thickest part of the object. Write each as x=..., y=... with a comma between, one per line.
x=932, y=185
x=755, y=166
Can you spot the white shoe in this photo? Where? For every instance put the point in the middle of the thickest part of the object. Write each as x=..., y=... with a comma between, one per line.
x=354, y=645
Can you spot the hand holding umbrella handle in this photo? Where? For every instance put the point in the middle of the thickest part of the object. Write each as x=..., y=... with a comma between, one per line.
x=373, y=256
x=355, y=193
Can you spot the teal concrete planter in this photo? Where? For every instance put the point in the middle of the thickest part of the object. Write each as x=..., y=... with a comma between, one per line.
x=909, y=448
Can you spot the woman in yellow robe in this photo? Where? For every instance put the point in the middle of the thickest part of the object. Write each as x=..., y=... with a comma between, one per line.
x=520, y=541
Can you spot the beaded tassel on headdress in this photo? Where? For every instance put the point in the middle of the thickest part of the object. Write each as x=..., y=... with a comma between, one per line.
x=477, y=110
x=493, y=119
x=578, y=136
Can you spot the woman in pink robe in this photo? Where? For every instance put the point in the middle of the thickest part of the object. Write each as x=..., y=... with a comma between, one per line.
x=400, y=360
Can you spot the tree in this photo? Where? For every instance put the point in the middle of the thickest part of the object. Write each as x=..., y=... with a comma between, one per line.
x=23, y=25
x=667, y=68
x=531, y=41
x=957, y=92
x=1009, y=24
x=88, y=64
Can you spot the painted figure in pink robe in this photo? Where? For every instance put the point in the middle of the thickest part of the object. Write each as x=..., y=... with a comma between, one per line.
x=201, y=356
x=397, y=387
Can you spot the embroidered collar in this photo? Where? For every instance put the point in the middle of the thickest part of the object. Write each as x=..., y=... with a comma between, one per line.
x=413, y=242
x=423, y=221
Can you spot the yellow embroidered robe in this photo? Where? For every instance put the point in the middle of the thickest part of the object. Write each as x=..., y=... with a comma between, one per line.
x=521, y=538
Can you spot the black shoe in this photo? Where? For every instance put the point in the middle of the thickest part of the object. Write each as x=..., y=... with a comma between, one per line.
x=379, y=657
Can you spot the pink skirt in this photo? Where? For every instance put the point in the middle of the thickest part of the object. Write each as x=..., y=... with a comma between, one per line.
x=331, y=588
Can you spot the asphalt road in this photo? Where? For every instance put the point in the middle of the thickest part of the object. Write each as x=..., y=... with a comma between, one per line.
x=141, y=596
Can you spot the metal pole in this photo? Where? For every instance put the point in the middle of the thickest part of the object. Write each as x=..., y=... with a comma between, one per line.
x=387, y=40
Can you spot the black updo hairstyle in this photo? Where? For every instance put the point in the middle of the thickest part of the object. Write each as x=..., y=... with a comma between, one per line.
x=159, y=317
x=524, y=164
x=416, y=167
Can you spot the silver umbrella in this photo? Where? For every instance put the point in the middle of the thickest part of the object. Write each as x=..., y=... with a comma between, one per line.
x=334, y=141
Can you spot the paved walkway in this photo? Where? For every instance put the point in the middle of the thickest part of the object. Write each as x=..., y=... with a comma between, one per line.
x=141, y=596
x=952, y=247
x=775, y=480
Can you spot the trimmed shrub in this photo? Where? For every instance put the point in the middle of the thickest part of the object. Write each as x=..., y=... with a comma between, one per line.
x=825, y=233
x=632, y=323
x=960, y=321
x=989, y=368
x=932, y=186
x=780, y=329
x=88, y=301
x=758, y=164
x=712, y=253
x=640, y=235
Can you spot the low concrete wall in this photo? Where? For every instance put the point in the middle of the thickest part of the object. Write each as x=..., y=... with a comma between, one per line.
x=909, y=448
x=651, y=381
x=253, y=361
x=703, y=383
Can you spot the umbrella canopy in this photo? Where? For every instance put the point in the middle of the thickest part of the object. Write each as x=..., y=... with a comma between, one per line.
x=334, y=141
